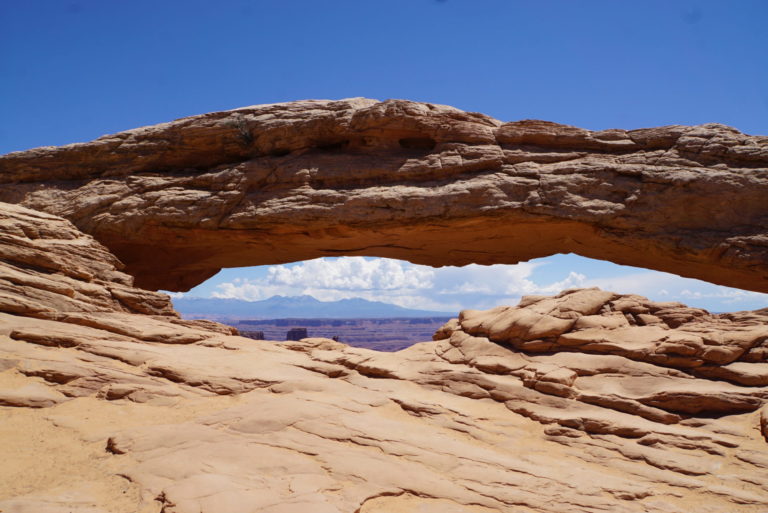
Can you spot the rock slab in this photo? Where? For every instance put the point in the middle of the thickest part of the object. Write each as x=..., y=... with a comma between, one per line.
x=426, y=183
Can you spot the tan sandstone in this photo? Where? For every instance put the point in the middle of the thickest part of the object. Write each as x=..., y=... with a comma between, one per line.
x=588, y=401
x=417, y=181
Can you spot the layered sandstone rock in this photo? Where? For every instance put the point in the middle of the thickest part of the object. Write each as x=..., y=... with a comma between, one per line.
x=422, y=182
x=658, y=352
x=589, y=401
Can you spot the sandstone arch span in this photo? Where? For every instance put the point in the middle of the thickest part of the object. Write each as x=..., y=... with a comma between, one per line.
x=426, y=183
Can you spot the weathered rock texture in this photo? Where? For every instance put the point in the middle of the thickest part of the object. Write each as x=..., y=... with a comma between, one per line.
x=585, y=402
x=422, y=182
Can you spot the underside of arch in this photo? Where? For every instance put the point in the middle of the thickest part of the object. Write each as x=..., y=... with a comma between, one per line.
x=427, y=183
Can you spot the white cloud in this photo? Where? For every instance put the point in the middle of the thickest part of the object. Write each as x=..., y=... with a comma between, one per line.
x=329, y=279
x=669, y=287
x=393, y=281
x=353, y=273
x=451, y=289
x=486, y=279
x=572, y=281
x=645, y=283
x=728, y=296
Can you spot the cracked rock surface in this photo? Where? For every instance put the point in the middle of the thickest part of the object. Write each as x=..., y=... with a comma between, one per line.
x=586, y=402
x=422, y=182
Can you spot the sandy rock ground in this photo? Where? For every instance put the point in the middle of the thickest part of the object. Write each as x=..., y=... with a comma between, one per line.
x=588, y=401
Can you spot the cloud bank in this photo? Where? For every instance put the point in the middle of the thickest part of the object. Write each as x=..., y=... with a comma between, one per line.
x=474, y=286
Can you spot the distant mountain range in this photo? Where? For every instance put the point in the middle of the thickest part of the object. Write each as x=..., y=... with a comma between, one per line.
x=282, y=307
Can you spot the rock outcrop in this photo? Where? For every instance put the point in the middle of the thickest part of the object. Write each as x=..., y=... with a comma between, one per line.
x=587, y=402
x=426, y=183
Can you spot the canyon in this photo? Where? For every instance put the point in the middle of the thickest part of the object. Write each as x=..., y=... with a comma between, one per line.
x=384, y=334
x=584, y=401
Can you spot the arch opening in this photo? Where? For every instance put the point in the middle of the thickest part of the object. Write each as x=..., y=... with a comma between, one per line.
x=389, y=304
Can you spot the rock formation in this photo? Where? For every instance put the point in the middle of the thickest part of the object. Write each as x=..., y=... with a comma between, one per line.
x=422, y=182
x=296, y=334
x=585, y=402
x=588, y=401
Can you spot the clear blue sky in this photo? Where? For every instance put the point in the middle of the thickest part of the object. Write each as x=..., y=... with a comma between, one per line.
x=74, y=70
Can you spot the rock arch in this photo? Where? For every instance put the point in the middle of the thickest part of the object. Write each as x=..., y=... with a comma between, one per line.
x=426, y=183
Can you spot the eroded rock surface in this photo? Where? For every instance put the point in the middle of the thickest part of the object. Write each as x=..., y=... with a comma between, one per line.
x=426, y=183
x=589, y=401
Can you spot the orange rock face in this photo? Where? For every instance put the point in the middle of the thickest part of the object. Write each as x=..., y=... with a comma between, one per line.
x=426, y=183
